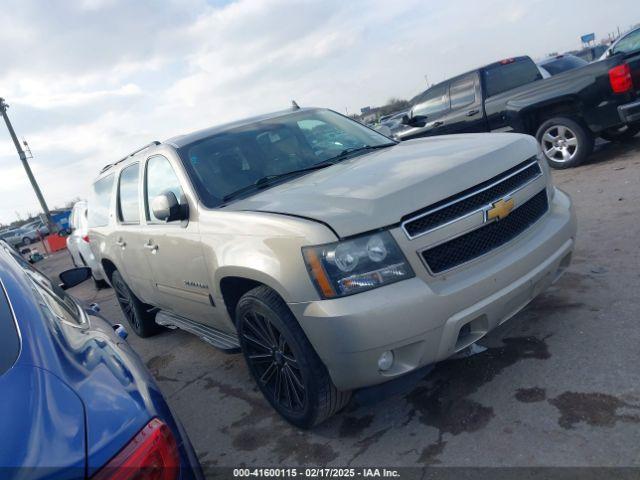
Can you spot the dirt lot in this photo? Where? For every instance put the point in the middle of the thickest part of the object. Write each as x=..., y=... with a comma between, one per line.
x=558, y=385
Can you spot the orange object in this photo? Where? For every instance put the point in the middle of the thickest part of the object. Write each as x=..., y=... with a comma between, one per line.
x=56, y=242
x=318, y=273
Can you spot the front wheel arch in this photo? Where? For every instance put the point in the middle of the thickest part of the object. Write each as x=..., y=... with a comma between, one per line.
x=233, y=282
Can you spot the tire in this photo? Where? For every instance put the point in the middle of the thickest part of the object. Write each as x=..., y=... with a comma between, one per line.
x=622, y=134
x=565, y=142
x=278, y=352
x=141, y=321
x=26, y=241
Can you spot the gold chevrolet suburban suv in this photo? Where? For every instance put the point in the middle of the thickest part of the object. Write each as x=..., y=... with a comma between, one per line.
x=332, y=256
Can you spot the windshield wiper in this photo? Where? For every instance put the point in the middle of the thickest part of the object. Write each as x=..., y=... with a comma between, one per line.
x=270, y=179
x=349, y=151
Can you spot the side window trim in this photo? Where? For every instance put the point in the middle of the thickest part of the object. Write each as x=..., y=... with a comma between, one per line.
x=146, y=205
x=118, y=206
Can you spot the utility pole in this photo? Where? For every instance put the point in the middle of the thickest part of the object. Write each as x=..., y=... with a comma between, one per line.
x=25, y=164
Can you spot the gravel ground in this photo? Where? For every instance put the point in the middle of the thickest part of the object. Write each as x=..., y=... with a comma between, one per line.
x=559, y=384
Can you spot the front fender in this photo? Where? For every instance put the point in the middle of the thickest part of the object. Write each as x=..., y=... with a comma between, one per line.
x=263, y=247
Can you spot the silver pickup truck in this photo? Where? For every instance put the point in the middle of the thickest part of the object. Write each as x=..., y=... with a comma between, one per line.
x=333, y=257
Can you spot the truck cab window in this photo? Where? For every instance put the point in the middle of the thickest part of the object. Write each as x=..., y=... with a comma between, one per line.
x=507, y=75
x=463, y=92
x=435, y=100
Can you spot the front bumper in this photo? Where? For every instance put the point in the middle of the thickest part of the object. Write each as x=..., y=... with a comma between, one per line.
x=630, y=112
x=420, y=319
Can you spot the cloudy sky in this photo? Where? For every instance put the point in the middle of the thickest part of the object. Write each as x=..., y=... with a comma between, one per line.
x=90, y=80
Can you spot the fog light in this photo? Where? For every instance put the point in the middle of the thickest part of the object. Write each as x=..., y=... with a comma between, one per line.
x=386, y=360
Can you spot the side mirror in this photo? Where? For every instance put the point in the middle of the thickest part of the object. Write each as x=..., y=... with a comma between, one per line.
x=74, y=276
x=166, y=207
x=406, y=120
x=418, y=121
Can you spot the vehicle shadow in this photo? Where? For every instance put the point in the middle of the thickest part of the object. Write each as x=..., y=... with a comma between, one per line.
x=605, y=151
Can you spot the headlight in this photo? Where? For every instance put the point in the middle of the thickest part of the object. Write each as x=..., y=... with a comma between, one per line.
x=351, y=266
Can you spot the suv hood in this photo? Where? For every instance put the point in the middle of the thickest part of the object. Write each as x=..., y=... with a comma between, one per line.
x=377, y=189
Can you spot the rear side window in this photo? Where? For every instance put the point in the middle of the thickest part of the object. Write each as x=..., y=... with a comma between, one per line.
x=128, y=203
x=160, y=178
x=99, y=202
x=9, y=339
x=501, y=77
x=463, y=92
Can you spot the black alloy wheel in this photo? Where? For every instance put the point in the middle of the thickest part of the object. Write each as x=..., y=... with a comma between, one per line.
x=274, y=363
x=282, y=361
x=125, y=301
x=139, y=316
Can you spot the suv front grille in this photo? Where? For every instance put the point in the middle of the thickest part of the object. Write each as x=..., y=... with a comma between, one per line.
x=489, y=237
x=471, y=199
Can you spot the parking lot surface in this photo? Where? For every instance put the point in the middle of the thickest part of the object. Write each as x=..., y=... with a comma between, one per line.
x=559, y=384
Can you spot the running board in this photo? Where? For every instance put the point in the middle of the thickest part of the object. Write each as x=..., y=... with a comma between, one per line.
x=227, y=342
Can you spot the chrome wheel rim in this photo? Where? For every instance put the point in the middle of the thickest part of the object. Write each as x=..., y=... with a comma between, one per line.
x=560, y=143
x=126, y=303
x=273, y=362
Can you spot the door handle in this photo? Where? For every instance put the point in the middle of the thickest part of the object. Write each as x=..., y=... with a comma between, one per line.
x=437, y=123
x=471, y=113
x=151, y=246
x=121, y=243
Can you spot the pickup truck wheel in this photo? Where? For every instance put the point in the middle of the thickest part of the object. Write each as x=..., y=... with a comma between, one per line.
x=283, y=363
x=564, y=142
x=622, y=134
x=26, y=241
x=142, y=322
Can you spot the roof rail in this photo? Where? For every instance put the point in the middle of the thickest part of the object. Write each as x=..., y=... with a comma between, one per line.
x=135, y=152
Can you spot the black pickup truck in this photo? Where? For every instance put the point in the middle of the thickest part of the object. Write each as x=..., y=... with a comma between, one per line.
x=565, y=112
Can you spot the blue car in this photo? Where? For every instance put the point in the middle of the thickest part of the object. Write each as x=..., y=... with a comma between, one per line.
x=75, y=400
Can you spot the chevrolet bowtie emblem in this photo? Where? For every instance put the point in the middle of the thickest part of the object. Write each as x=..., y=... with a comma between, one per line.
x=499, y=210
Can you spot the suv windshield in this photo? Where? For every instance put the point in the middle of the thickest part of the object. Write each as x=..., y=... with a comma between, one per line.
x=262, y=153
